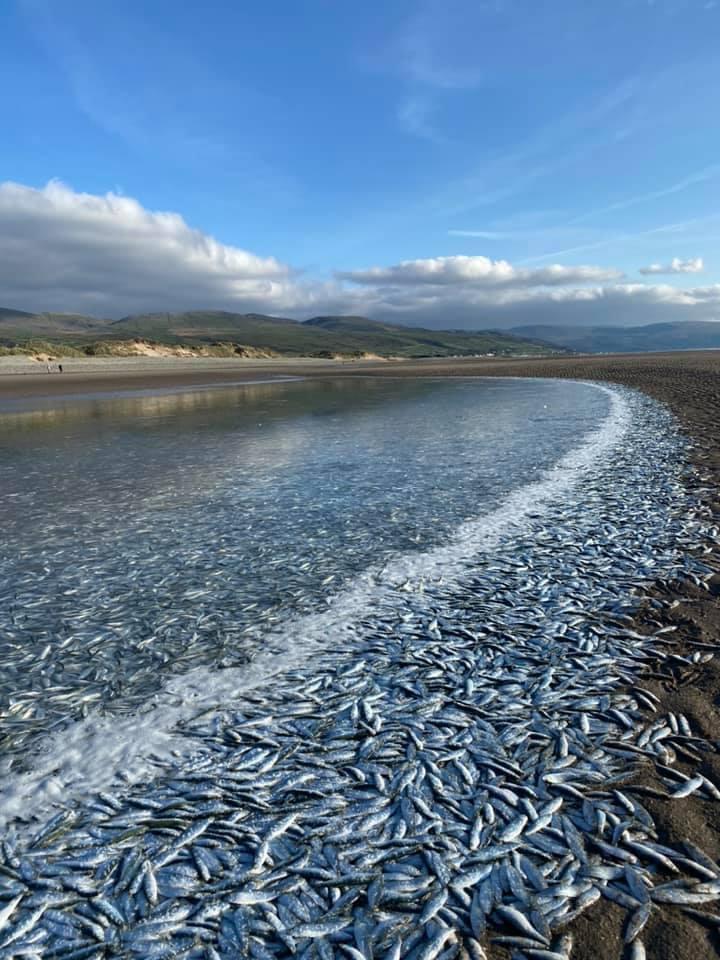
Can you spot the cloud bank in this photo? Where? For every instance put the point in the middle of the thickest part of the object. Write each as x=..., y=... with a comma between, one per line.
x=676, y=265
x=477, y=271
x=79, y=251
x=110, y=256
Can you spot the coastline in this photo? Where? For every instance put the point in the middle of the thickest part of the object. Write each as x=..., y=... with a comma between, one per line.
x=689, y=385
x=30, y=381
x=688, y=382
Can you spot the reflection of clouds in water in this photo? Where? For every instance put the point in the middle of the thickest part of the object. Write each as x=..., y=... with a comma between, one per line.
x=126, y=456
x=169, y=441
x=154, y=534
x=245, y=461
x=164, y=470
x=157, y=404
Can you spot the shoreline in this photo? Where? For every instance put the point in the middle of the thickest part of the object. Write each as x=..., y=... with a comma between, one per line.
x=661, y=375
x=119, y=376
x=689, y=385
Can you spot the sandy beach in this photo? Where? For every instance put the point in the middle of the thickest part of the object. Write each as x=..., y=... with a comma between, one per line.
x=22, y=377
x=689, y=384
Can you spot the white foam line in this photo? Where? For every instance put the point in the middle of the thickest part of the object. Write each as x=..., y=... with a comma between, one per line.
x=93, y=754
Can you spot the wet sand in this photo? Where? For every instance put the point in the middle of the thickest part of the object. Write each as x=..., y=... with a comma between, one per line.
x=28, y=380
x=689, y=383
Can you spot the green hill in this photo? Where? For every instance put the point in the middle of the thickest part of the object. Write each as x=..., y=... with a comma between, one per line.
x=339, y=335
x=16, y=325
x=8, y=314
x=419, y=342
x=209, y=326
x=319, y=336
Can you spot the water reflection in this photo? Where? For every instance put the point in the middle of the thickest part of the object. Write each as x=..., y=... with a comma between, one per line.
x=142, y=536
x=54, y=411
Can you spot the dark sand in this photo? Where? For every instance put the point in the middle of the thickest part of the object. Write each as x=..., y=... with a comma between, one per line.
x=689, y=383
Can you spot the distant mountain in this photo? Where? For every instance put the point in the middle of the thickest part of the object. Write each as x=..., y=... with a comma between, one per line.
x=207, y=326
x=319, y=336
x=348, y=335
x=8, y=314
x=418, y=341
x=687, y=335
x=19, y=325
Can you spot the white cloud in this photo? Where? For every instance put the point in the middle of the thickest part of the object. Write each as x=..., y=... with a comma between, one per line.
x=80, y=251
x=109, y=256
x=478, y=271
x=676, y=265
x=471, y=307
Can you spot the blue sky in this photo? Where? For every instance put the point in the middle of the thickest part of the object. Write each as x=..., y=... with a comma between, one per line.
x=326, y=138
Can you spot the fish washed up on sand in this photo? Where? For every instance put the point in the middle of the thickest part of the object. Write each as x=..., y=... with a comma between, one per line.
x=450, y=769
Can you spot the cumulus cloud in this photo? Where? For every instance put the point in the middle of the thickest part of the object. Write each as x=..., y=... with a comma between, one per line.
x=80, y=251
x=479, y=271
x=109, y=256
x=676, y=265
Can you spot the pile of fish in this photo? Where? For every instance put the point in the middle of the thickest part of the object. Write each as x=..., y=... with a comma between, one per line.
x=451, y=772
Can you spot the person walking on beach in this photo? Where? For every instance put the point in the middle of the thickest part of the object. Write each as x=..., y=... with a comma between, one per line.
x=59, y=368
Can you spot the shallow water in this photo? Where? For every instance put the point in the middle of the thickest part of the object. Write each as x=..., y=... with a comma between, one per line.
x=146, y=536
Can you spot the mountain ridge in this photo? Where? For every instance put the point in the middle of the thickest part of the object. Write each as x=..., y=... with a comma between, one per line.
x=317, y=336
x=349, y=334
x=682, y=335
